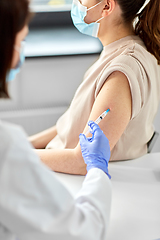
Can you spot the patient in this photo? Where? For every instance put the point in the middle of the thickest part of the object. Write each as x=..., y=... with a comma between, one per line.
x=125, y=79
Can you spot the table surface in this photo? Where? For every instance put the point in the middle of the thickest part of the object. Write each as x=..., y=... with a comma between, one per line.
x=135, y=211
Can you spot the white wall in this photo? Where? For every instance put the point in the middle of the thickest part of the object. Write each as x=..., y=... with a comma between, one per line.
x=43, y=90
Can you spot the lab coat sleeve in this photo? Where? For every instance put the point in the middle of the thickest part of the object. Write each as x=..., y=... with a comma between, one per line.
x=93, y=203
x=35, y=205
x=88, y=217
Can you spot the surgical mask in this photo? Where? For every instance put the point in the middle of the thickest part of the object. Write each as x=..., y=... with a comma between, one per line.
x=78, y=13
x=13, y=72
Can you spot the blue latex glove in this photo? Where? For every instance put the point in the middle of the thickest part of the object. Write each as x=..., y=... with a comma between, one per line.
x=95, y=150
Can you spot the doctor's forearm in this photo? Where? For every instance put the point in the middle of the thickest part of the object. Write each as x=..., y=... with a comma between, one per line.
x=63, y=160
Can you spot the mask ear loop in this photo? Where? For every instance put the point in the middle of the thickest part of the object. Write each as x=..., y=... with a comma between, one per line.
x=99, y=19
x=94, y=6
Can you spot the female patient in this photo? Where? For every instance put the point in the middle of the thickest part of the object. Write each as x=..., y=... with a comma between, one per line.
x=126, y=79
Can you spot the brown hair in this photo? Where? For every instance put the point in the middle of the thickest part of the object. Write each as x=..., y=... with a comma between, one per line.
x=14, y=14
x=148, y=24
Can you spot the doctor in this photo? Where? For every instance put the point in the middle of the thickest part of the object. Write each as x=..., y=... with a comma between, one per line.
x=33, y=203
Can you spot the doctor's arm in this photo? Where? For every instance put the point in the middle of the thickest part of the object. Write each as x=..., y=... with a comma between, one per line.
x=35, y=205
x=115, y=95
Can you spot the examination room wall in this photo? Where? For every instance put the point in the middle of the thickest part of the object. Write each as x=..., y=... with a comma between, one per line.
x=43, y=91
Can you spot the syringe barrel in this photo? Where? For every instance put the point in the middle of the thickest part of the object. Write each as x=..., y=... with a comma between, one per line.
x=99, y=118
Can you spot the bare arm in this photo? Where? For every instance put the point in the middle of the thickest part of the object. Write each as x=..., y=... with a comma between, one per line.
x=40, y=140
x=115, y=94
x=63, y=160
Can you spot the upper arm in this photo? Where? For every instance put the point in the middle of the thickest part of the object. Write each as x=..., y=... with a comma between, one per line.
x=115, y=94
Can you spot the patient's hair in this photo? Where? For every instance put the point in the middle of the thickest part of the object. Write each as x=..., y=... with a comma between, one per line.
x=14, y=15
x=148, y=24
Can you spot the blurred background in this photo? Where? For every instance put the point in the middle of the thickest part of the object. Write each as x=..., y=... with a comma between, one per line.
x=57, y=57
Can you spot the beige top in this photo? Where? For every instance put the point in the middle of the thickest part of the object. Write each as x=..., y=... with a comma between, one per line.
x=127, y=55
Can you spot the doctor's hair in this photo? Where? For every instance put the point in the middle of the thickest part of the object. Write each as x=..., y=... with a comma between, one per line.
x=14, y=15
x=147, y=25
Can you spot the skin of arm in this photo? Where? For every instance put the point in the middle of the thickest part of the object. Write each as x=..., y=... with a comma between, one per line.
x=115, y=95
x=40, y=140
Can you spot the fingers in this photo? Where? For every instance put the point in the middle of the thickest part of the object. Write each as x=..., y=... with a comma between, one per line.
x=94, y=127
x=82, y=138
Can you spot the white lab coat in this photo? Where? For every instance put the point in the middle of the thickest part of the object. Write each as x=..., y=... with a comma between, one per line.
x=34, y=205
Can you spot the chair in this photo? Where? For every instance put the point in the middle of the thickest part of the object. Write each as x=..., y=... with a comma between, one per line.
x=152, y=141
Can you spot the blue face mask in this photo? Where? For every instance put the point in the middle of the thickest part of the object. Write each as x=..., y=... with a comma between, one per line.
x=78, y=13
x=13, y=72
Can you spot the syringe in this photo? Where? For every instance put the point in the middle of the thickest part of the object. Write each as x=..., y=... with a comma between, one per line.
x=99, y=118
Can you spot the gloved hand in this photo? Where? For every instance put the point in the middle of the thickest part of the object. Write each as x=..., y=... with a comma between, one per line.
x=95, y=150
